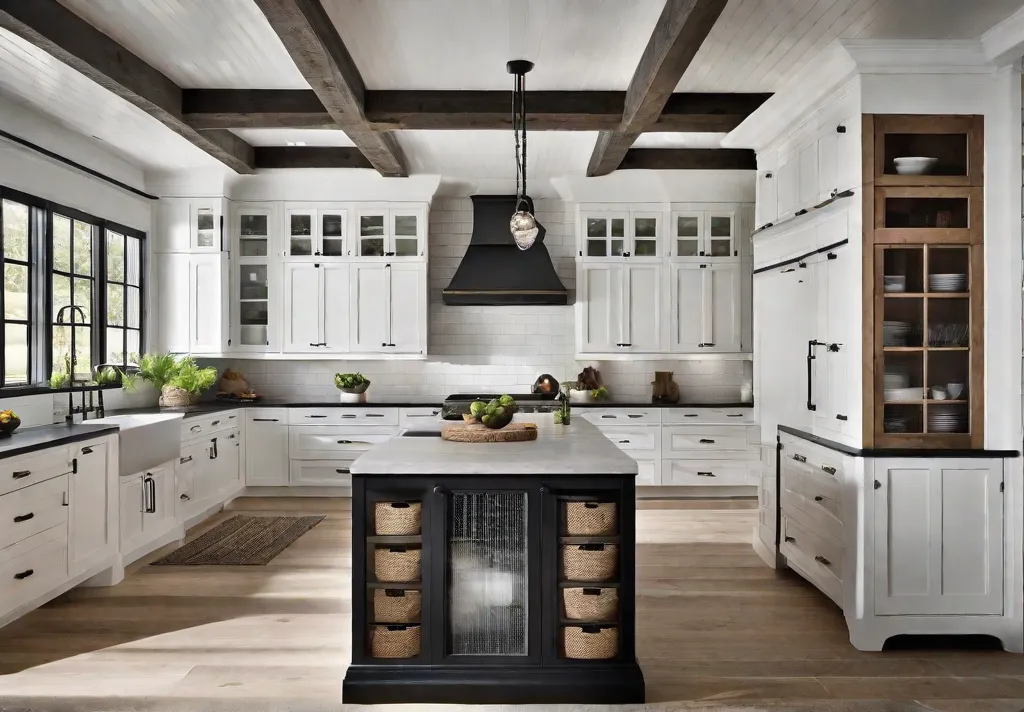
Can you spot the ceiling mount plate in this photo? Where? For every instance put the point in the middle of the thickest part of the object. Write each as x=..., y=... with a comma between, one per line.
x=519, y=66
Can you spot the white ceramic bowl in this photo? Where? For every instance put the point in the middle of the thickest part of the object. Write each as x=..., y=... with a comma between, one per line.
x=914, y=165
x=895, y=283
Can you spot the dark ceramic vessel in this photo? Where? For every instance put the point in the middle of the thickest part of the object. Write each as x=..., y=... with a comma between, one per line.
x=8, y=428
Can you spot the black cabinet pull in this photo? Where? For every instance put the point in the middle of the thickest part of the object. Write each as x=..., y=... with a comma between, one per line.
x=20, y=474
x=841, y=417
x=214, y=453
x=799, y=458
x=623, y=442
x=705, y=474
x=149, y=493
x=74, y=466
x=840, y=129
x=878, y=485
x=438, y=490
x=87, y=451
x=810, y=380
x=264, y=420
x=312, y=344
x=608, y=416
x=232, y=436
x=342, y=471
x=216, y=422
x=829, y=470
x=822, y=560
x=690, y=415
x=374, y=415
x=710, y=346
x=818, y=498
x=633, y=416
x=24, y=517
x=734, y=415
x=24, y=574
x=185, y=460
x=790, y=540
x=232, y=417
x=706, y=441
x=345, y=442
x=195, y=428
x=184, y=498
x=315, y=416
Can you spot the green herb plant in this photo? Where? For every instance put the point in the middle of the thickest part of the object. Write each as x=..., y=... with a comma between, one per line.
x=347, y=381
x=165, y=370
x=189, y=377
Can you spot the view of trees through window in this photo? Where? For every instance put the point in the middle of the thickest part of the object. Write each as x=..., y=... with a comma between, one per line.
x=72, y=294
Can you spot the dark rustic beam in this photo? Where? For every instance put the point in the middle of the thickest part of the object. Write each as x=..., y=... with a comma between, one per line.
x=59, y=32
x=691, y=159
x=207, y=109
x=312, y=40
x=310, y=157
x=679, y=33
x=452, y=110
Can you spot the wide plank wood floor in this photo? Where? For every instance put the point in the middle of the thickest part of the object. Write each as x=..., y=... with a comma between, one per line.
x=713, y=624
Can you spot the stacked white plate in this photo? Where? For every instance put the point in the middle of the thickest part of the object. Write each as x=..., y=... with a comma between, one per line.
x=897, y=395
x=894, y=333
x=895, y=283
x=947, y=419
x=947, y=282
x=896, y=380
x=895, y=424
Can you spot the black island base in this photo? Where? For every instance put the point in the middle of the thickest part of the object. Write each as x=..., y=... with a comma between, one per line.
x=510, y=589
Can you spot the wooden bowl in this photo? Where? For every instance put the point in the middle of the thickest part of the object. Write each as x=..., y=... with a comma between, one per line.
x=8, y=428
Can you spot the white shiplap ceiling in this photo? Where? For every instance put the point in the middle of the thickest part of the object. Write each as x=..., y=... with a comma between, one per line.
x=756, y=45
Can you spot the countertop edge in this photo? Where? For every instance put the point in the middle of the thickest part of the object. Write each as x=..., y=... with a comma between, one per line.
x=88, y=433
x=896, y=452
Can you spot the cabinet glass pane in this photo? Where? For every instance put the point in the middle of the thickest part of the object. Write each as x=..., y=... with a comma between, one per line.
x=721, y=226
x=254, y=305
x=645, y=227
x=406, y=246
x=204, y=227
x=371, y=225
x=371, y=247
x=405, y=225
x=487, y=574
x=902, y=212
x=687, y=248
x=645, y=237
x=300, y=231
x=331, y=224
x=597, y=227
x=252, y=281
x=250, y=247
x=687, y=226
x=253, y=225
x=618, y=247
x=597, y=248
x=903, y=271
x=332, y=232
x=949, y=269
x=645, y=248
x=618, y=227
x=721, y=247
x=940, y=154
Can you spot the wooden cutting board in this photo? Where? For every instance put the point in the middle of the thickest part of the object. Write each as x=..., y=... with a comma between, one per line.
x=479, y=433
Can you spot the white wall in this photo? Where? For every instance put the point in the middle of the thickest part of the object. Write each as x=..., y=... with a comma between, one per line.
x=493, y=348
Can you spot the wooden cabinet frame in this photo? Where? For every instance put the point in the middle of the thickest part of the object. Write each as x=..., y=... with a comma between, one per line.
x=877, y=237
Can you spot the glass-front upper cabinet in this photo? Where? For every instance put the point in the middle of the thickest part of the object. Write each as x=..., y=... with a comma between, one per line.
x=604, y=234
x=316, y=232
x=703, y=234
x=204, y=224
x=252, y=225
x=253, y=305
x=929, y=150
x=391, y=232
x=645, y=234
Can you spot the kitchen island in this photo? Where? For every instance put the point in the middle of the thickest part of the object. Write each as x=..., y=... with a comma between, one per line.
x=497, y=573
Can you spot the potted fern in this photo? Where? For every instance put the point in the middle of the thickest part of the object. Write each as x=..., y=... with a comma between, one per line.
x=352, y=386
x=180, y=381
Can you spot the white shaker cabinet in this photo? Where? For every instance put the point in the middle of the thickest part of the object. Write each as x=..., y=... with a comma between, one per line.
x=938, y=530
x=316, y=307
x=93, y=530
x=266, y=447
x=388, y=312
x=369, y=300
x=599, y=307
x=767, y=197
x=189, y=225
x=622, y=307
x=705, y=308
x=191, y=304
x=334, y=287
x=686, y=282
x=642, y=323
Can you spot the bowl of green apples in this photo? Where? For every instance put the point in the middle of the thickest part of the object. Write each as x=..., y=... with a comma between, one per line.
x=495, y=414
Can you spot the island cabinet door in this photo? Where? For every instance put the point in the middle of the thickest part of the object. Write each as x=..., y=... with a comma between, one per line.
x=588, y=531
x=486, y=546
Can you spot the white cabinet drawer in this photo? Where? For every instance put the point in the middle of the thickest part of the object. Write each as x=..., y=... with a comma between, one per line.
x=623, y=416
x=19, y=472
x=811, y=501
x=34, y=509
x=826, y=474
x=708, y=416
x=818, y=556
x=816, y=458
x=343, y=416
x=649, y=474
x=326, y=443
x=675, y=473
x=419, y=417
x=633, y=438
x=695, y=442
x=267, y=415
x=37, y=565
x=320, y=473
x=201, y=426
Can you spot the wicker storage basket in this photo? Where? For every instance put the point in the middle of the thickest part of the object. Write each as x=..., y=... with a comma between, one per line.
x=177, y=397
x=591, y=642
x=396, y=564
x=590, y=518
x=395, y=641
x=397, y=518
x=590, y=562
x=396, y=606
x=589, y=604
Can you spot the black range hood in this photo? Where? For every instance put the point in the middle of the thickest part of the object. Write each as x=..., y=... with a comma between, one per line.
x=494, y=272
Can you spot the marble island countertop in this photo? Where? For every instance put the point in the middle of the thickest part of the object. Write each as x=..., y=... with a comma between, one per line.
x=575, y=449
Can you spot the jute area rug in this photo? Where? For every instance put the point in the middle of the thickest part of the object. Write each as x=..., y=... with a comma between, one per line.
x=241, y=541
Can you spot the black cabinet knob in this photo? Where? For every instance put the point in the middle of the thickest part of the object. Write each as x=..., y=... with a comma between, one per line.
x=438, y=490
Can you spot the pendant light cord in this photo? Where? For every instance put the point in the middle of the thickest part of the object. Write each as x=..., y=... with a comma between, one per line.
x=519, y=126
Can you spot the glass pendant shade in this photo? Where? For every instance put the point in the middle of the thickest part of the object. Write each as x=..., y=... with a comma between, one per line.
x=524, y=229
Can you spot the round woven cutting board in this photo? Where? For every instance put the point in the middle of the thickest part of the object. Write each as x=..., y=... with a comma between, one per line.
x=511, y=433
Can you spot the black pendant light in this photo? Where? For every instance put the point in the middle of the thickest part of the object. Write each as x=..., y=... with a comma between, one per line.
x=523, y=224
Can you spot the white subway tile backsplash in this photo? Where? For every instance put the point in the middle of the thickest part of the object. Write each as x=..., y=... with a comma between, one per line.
x=493, y=348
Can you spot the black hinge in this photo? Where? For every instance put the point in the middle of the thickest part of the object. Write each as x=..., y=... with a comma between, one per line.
x=800, y=212
x=802, y=265
x=703, y=266
x=769, y=175
x=1002, y=486
x=842, y=417
x=832, y=256
x=840, y=129
x=74, y=466
x=833, y=348
x=878, y=485
x=229, y=342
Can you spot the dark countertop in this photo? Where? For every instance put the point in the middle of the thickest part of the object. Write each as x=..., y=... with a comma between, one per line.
x=26, y=440
x=894, y=451
x=648, y=404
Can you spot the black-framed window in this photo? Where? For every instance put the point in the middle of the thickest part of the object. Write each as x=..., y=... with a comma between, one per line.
x=73, y=286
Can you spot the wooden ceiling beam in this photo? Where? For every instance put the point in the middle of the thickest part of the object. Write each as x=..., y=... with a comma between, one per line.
x=689, y=159
x=61, y=33
x=313, y=42
x=455, y=110
x=310, y=157
x=681, y=29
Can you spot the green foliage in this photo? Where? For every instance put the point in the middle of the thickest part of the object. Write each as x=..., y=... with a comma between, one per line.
x=107, y=376
x=59, y=379
x=599, y=393
x=155, y=368
x=350, y=380
x=189, y=377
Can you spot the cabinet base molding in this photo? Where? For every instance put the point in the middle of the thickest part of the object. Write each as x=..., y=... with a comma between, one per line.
x=175, y=534
x=870, y=634
x=582, y=684
x=290, y=491
x=761, y=549
x=112, y=564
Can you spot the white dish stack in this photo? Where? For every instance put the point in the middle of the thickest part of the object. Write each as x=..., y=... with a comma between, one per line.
x=894, y=283
x=894, y=333
x=947, y=419
x=947, y=282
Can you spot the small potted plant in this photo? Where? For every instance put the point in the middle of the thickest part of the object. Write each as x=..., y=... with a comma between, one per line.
x=9, y=422
x=352, y=386
x=186, y=383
